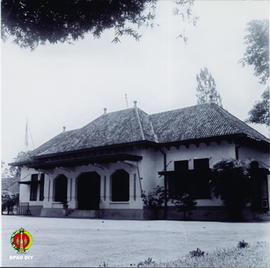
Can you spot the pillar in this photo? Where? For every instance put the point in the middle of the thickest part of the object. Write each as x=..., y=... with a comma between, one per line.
x=72, y=198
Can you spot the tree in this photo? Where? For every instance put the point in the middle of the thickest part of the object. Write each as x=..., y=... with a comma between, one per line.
x=257, y=55
x=35, y=22
x=13, y=171
x=231, y=183
x=206, y=88
x=260, y=113
x=257, y=48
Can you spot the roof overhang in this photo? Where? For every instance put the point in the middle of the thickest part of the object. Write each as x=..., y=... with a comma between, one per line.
x=63, y=161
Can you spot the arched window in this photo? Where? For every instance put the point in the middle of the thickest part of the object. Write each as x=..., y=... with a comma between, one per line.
x=120, y=185
x=60, y=188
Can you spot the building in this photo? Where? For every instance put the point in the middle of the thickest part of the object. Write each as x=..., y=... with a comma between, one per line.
x=101, y=169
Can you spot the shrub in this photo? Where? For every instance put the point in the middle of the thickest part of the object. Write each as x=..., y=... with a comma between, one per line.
x=155, y=198
x=147, y=262
x=103, y=264
x=231, y=183
x=242, y=244
x=184, y=203
x=196, y=253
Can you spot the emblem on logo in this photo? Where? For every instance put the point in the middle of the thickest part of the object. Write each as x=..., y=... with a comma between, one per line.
x=21, y=240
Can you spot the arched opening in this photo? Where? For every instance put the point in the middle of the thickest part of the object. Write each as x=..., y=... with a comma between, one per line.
x=60, y=188
x=120, y=185
x=88, y=191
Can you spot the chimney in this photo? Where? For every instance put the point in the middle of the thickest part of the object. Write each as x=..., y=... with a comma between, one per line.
x=64, y=128
x=105, y=111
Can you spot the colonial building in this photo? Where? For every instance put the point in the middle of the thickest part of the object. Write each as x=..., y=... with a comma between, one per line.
x=101, y=169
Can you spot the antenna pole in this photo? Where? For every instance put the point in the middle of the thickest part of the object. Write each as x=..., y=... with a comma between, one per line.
x=26, y=135
x=126, y=99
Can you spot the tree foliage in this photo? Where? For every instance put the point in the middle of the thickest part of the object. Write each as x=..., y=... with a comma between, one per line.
x=206, y=88
x=260, y=113
x=231, y=183
x=35, y=22
x=257, y=55
x=13, y=171
x=257, y=48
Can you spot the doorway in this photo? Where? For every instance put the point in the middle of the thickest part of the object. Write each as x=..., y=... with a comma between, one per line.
x=88, y=191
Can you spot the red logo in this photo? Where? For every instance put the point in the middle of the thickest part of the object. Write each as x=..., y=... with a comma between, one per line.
x=21, y=240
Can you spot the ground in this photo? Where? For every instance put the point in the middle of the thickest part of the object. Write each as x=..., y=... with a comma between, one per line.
x=88, y=242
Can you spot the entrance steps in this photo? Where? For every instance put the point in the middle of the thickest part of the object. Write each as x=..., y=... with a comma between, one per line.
x=77, y=213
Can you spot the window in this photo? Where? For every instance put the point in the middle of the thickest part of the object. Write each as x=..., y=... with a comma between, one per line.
x=120, y=185
x=178, y=184
x=41, y=187
x=200, y=179
x=60, y=188
x=34, y=187
x=181, y=165
x=178, y=181
x=201, y=164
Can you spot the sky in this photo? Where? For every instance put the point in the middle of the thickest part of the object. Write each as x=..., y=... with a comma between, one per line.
x=69, y=85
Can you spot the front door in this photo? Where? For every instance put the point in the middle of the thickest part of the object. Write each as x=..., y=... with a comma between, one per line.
x=88, y=191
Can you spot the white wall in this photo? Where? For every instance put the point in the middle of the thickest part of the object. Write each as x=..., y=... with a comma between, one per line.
x=25, y=188
x=214, y=151
x=248, y=152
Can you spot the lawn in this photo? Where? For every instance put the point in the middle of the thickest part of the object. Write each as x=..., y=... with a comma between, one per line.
x=85, y=242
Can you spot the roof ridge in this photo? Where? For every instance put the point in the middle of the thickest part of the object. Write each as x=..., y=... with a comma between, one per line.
x=183, y=108
x=142, y=115
x=139, y=121
x=152, y=129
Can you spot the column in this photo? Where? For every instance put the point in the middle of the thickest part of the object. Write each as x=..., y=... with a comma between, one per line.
x=46, y=203
x=72, y=193
x=50, y=190
x=69, y=189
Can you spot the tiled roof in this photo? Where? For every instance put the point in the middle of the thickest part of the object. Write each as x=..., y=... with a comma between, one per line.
x=134, y=125
x=199, y=121
x=113, y=128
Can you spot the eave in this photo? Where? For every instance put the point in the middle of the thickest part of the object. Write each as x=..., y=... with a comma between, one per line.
x=83, y=160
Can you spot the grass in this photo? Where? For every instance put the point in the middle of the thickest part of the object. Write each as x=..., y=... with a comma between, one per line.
x=256, y=255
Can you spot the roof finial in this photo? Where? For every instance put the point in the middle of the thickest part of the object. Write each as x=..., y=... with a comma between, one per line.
x=105, y=111
x=64, y=128
x=135, y=104
x=211, y=97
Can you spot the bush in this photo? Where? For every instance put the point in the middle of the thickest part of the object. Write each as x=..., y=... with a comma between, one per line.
x=103, y=264
x=147, y=262
x=196, y=253
x=155, y=198
x=184, y=203
x=231, y=183
x=242, y=244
